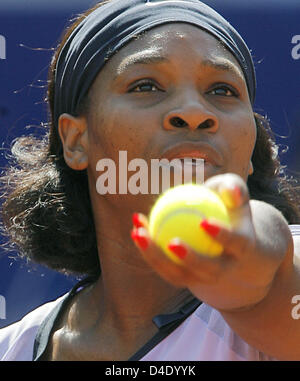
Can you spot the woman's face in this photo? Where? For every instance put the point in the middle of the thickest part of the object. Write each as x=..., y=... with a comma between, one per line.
x=173, y=92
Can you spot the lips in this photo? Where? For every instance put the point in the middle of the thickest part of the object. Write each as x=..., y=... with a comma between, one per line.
x=195, y=151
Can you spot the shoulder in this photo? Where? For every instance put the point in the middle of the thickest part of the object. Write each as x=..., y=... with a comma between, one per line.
x=17, y=339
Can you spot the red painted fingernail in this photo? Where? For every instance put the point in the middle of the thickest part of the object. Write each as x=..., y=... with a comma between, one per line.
x=179, y=250
x=136, y=220
x=211, y=229
x=140, y=240
x=237, y=192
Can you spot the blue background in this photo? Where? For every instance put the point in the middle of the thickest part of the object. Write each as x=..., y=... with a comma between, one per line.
x=32, y=28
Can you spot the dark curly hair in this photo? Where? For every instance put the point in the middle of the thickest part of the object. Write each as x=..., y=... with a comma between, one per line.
x=46, y=209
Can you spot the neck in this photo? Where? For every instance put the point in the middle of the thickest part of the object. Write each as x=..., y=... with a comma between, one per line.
x=128, y=293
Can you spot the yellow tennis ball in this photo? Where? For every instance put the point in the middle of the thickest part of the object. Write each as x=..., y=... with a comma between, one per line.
x=178, y=213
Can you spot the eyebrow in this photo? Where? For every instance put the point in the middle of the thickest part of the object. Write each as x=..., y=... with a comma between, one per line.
x=223, y=64
x=153, y=57
x=147, y=57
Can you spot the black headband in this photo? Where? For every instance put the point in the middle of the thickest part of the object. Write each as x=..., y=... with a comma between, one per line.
x=112, y=25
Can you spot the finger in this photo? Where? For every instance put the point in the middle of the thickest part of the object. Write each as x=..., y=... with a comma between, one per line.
x=231, y=188
x=170, y=270
x=234, y=241
x=139, y=220
x=155, y=256
x=205, y=269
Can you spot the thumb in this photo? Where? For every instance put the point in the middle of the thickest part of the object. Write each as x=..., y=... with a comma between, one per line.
x=231, y=188
x=233, y=191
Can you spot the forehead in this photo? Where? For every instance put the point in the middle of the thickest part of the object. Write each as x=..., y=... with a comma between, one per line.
x=175, y=39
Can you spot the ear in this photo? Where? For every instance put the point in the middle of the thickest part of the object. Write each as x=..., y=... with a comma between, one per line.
x=73, y=133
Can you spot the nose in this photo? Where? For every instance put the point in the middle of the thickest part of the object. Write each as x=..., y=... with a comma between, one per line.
x=191, y=115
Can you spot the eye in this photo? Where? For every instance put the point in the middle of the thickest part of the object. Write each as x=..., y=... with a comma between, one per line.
x=224, y=91
x=144, y=87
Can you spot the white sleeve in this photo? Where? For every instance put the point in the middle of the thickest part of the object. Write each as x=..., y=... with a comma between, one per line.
x=17, y=339
x=295, y=229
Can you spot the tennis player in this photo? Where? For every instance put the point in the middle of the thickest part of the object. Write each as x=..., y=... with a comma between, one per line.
x=157, y=79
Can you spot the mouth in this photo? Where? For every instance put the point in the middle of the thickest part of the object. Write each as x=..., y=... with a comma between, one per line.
x=195, y=156
x=194, y=153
